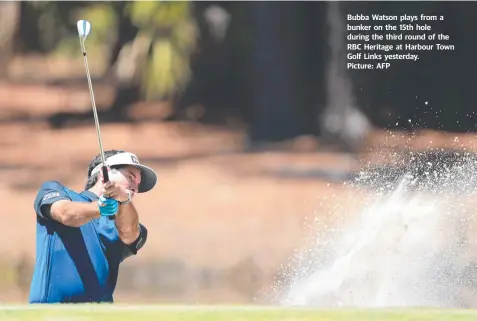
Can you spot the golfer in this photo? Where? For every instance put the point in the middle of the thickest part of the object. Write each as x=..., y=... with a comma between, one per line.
x=78, y=245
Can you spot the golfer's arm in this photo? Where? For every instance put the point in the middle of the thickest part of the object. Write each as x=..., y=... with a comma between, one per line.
x=127, y=223
x=73, y=214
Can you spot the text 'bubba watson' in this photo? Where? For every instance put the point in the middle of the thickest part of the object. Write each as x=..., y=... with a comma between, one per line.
x=376, y=17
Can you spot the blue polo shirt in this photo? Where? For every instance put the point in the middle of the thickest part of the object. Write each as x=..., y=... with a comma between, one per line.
x=75, y=264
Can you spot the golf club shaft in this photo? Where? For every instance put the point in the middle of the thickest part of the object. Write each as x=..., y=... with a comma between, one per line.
x=95, y=113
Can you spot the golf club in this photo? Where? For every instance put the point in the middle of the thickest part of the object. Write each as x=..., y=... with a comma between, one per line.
x=84, y=28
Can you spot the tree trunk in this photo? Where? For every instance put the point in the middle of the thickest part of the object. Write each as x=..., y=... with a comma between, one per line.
x=343, y=122
x=9, y=17
x=274, y=66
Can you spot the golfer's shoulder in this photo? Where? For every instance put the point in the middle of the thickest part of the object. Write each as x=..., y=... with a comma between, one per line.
x=52, y=185
x=50, y=192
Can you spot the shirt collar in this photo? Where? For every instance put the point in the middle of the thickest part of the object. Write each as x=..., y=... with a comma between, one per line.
x=90, y=195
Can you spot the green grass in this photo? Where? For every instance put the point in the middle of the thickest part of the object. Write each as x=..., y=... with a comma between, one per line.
x=210, y=313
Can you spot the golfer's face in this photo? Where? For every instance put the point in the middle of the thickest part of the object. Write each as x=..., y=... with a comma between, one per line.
x=131, y=178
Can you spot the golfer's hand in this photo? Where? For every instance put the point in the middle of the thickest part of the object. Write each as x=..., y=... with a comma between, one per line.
x=116, y=191
x=107, y=206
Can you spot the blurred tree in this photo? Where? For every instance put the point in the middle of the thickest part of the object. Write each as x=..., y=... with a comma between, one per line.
x=44, y=25
x=287, y=69
x=274, y=62
x=29, y=33
x=148, y=51
x=265, y=62
x=215, y=88
x=155, y=63
x=9, y=18
x=168, y=32
x=126, y=31
x=342, y=122
x=104, y=19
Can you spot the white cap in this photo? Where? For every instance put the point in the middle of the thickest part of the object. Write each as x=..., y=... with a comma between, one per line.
x=148, y=176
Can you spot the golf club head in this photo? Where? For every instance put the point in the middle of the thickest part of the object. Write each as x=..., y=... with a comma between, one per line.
x=84, y=28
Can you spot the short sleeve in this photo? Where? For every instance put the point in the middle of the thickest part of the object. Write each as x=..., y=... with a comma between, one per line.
x=133, y=248
x=49, y=193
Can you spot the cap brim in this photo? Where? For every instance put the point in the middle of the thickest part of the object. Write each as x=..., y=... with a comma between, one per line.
x=148, y=178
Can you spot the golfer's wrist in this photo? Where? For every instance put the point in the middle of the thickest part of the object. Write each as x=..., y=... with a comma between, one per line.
x=126, y=199
x=95, y=210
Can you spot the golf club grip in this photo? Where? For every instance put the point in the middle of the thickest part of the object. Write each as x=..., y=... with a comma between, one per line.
x=105, y=174
x=104, y=169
